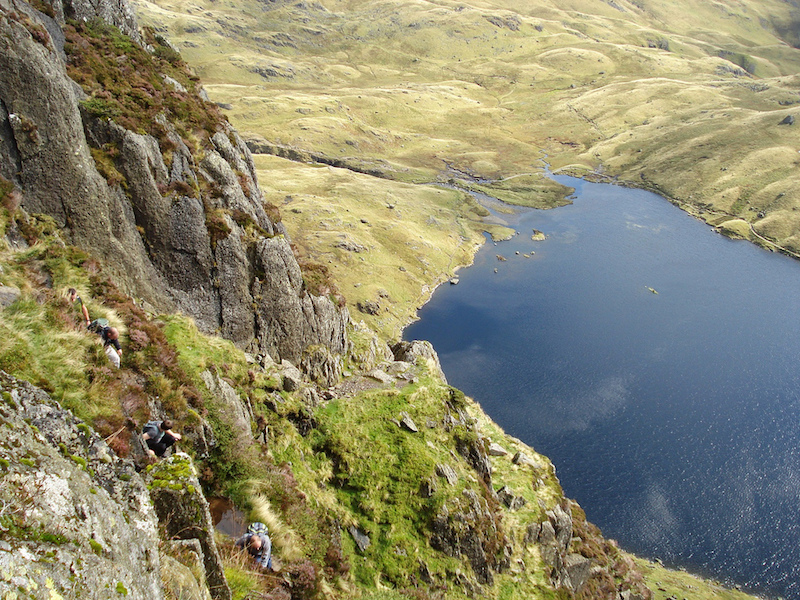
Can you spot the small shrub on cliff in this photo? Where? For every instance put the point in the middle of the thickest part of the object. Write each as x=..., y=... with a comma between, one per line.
x=125, y=83
x=9, y=198
x=37, y=31
x=304, y=578
x=273, y=212
x=100, y=107
x=319, y=281
x=217, y=226
x=104, y=162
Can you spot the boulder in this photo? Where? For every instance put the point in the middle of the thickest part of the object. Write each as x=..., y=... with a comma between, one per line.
x=520, y=458
x=291, y=377
x=578, y=569
x=8, y=295
x=448, y=473
x=369, y=307
x=362, y=539
x=381, y=376
x=512, y=502
x=497, y=450
x=407, y=423
x=412, y=352
x=532, y=533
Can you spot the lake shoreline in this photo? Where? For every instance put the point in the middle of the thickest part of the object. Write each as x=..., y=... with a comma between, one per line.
x=458, y=348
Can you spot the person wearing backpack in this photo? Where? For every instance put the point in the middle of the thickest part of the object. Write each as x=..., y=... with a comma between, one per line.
x=258, y=545
x=109, y=335
x=111, y=347
x=158, y=436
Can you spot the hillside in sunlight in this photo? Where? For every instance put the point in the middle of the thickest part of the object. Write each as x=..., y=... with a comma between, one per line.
x=127, y=195
x=690, y=99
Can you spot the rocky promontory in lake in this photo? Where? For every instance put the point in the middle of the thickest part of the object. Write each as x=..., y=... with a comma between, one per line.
x=376, y=479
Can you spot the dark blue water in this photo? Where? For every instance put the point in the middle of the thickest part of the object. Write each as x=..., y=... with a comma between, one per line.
x=672, y=418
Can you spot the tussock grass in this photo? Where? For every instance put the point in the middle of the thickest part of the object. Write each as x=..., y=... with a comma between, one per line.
x=285, y=541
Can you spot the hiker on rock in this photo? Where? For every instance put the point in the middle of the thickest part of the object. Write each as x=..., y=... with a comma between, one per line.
x=257, y=543
x=73, y=297
x=159, y=436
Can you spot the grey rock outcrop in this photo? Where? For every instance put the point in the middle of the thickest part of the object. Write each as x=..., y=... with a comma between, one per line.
x=180, y=581
x=474, y=452
x=361, y=539
x=184, y=515
x=155, y=235
x=322, y=366
x=371, y=351
x=231, y=408
x=77, y=520
x=448, y=473
x=412, y=351
x=470, y=529
x=570, y=570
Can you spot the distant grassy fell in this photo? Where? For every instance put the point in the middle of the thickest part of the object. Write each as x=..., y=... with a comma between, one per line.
x=689, y=99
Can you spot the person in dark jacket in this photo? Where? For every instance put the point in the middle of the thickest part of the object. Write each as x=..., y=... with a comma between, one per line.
x=158, y=436
x=111, y=347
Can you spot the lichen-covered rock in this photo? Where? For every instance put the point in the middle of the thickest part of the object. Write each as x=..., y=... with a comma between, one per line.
x=75, y=519
x=183, y=514
x=183, y=571
x=471, y=529
x=322, y=366
x=231, y=408
x=180, y=581
x=288, y=318
x=412, y=351
x=366, y=349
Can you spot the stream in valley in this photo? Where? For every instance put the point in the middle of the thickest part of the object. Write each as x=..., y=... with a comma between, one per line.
x=656, y=363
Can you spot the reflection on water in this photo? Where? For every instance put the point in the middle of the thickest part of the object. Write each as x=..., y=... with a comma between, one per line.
x=226, y=517
x=673, y=418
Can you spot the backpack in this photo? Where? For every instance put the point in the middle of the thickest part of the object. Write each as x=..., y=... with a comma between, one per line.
x=97, y=325
x=256, y=528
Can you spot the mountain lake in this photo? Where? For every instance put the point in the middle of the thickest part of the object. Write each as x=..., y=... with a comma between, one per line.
x=655, y=362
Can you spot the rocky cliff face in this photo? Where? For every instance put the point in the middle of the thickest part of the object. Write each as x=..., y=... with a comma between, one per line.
x=176, y=214
x=75, y=520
